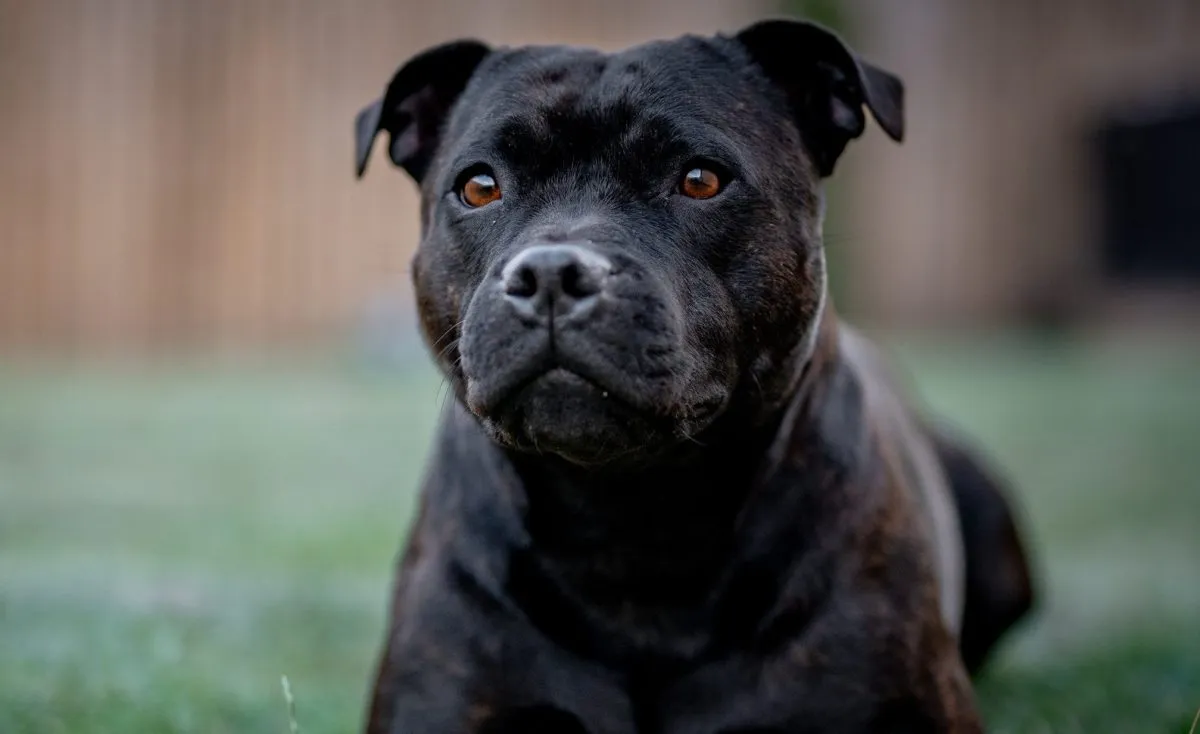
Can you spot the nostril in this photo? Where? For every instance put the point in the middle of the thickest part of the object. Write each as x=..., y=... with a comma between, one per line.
x=578, y=281
x=522, y=283
x=570, y=279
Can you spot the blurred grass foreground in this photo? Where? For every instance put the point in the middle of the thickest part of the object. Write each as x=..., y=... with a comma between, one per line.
x=173, y=540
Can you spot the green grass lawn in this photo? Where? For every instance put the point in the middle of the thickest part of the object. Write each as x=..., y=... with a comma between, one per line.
x=173, y=540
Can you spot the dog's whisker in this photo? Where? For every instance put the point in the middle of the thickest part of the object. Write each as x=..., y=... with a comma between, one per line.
x=452, y=345
x=757, y=384
x=687, y=436
x=453, y=329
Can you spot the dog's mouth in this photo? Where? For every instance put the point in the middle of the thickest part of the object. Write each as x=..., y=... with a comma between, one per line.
x=552, y=373
x=558, y=410
x=555, y=377
x=585, y=419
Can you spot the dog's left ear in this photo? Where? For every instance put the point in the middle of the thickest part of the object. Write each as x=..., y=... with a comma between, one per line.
x=826, y=84
x=416, y=104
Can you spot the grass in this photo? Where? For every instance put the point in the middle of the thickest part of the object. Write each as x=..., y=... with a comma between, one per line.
x=172, y=541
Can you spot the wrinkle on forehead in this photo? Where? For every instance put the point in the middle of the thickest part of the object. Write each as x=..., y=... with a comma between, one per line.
x=677, y=75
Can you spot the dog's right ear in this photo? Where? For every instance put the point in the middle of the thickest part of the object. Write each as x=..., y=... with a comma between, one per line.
x=415, y=104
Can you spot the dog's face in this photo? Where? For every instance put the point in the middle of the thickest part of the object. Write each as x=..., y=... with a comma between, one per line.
x=619, y=249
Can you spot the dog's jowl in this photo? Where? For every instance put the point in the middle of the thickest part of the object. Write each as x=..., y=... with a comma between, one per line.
x=673, y=494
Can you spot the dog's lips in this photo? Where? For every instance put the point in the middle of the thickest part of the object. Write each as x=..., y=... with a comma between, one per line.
x=563, y=412
x=492, y=391
x=490, y=394
x=559, y=378
x=550, y=374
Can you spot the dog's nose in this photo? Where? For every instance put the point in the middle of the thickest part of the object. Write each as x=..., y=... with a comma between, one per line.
x=559, y=280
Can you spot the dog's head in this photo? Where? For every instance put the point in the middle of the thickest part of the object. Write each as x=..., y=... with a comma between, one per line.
x=619, y=249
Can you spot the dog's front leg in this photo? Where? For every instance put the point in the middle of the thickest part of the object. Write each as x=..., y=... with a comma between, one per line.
x=457, y=662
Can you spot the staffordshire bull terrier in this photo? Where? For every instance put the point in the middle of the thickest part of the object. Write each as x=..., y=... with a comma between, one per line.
x=672, y=494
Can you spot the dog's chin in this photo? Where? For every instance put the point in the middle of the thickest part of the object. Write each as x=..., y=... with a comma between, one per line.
x=564, y=414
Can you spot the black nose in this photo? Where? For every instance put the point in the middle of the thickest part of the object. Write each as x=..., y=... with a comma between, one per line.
x=558, y=280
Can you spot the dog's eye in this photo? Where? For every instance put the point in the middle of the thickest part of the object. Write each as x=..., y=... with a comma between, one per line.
x=480, y=190
x=700, y=183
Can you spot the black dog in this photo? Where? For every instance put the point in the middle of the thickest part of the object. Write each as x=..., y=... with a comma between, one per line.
x=673, y=495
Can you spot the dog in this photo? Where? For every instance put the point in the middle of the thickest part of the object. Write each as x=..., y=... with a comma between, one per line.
x=673, y=493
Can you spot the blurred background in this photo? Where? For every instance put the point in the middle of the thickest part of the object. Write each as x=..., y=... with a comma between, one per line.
x=214, y=407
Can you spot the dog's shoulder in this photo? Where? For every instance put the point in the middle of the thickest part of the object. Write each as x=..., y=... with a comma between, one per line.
x=912, y=461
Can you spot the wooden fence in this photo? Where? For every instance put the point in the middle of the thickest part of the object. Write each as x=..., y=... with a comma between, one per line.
x=178, y=173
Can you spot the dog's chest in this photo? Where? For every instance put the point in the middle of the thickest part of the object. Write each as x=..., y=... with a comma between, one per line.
x=616, y=610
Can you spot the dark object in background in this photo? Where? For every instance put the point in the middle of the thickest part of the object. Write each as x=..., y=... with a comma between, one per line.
x=1150, y=196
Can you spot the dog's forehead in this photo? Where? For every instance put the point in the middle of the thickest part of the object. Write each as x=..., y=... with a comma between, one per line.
x=685, y=77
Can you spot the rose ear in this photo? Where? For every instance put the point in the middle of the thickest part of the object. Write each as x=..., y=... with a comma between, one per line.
x=415, y=104
x=826, y=84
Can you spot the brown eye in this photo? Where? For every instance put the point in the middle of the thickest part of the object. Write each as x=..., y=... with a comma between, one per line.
x=480, y=190
x=700, y=183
